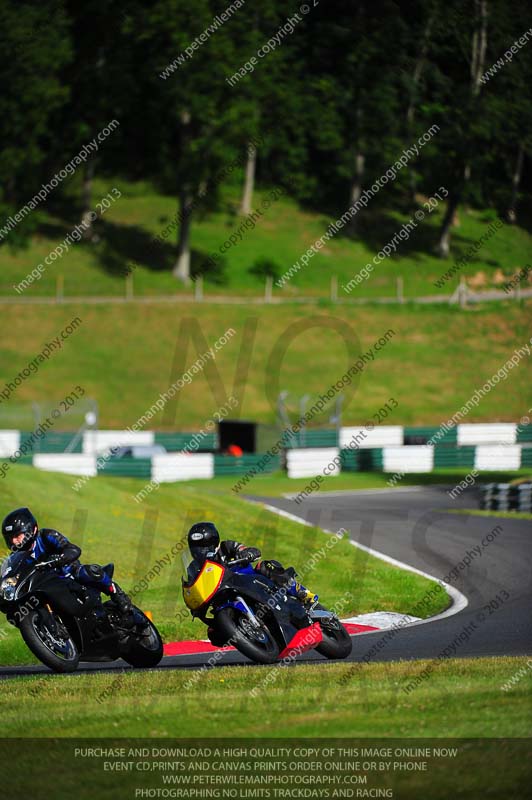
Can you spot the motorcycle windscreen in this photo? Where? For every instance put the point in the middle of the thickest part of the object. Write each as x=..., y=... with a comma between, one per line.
x=12, y=563
x=201, y=582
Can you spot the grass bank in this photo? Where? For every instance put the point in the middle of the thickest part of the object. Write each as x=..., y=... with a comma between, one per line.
x=433, y=361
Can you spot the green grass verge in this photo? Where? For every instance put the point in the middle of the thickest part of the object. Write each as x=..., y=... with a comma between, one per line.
x=104, y=519
x=283, y=234
x=461, y=698
x=277, y=484
x=504, y=514
x=126, y=356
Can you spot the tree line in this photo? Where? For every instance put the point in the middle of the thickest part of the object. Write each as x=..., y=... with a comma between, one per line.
x=319, y=97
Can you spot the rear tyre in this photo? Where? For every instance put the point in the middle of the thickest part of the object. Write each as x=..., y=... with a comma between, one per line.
x=336, y=641
x=52, y=644
x=257, y=644
x=144, y=647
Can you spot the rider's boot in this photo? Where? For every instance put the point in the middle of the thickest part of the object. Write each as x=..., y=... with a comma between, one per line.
x=304, y=595
x=120, y=599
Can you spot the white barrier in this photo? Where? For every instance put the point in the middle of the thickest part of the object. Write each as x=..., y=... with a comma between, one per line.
x=410, y=458
x=70, y=463
x=168, y=467
x=491, y=433
x=311, y=461
x=498, y=457
x=9, y=443
x=101, y=441
x=380, y=436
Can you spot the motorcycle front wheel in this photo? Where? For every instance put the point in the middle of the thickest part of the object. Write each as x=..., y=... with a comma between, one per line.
x=336, y=643
x=48, y=639
x=257, y=643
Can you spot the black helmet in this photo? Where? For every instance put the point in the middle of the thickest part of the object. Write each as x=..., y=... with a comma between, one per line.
x=19, y=521
x=203, y=539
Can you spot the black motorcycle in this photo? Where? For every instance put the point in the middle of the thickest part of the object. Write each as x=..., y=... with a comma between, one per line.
x=64, y=622
x=261, y=619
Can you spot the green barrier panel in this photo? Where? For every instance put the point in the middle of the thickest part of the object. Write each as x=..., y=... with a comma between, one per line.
x=350, y=460
x=314, y=437
x=21, y=460
x=526, y=456
x=424, y=433
x=182, y=441
x=524, y=434
x=52, y=442
x=371, y=459
x=363, y=460
x=454, y=456
x=229, y=465
x=127, y=467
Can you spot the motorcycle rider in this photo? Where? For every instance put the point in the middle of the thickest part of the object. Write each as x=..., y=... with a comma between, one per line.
x=21, y=532
x=204, y=543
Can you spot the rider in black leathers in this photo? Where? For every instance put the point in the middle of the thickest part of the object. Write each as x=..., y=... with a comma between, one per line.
x=204, y=542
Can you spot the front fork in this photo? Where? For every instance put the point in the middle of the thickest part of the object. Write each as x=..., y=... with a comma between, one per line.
x=243, y=606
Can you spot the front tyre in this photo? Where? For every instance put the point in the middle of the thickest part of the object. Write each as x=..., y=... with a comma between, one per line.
x=236, y=628
x=144, y=646
x=336, y=641
x=49, y=640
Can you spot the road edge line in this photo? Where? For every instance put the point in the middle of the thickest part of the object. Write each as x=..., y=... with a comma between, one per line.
x=459, y=601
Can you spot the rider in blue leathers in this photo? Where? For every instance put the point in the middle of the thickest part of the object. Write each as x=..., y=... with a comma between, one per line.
x=48, y=547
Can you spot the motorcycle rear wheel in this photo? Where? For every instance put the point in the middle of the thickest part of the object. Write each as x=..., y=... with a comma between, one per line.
x=56, y=651
x=257, y=644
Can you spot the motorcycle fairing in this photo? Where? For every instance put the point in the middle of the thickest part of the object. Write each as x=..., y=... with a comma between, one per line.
x=303, y=640
x=67, y=596
x=289, y=614
x=204, y=586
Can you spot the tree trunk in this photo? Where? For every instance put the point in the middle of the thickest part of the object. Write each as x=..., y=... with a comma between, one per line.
x=511, y=214
x=181, y=269
x=356, y=186
x=479, y=46
x=87, y=217
x=411, y=110
x=444, y=244
x=249, y=180
x=478, y=61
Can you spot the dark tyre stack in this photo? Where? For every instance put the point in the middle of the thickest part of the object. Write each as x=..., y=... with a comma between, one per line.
x=506, y=497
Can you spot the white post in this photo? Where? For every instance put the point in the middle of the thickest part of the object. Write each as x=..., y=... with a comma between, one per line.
x=400, y=290
x=129, y=286
x=463, y=292
x=334, y=289
x=198, y=289
x=268, y=289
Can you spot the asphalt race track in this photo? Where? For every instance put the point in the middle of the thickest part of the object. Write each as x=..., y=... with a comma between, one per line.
x=412, y=525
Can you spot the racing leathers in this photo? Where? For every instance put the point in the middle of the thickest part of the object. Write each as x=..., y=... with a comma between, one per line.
x=51, y=547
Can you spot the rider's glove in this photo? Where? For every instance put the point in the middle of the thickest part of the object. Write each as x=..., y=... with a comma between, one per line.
x=250, y=554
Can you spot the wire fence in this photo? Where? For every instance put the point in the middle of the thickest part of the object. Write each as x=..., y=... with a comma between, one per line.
x=462, y=295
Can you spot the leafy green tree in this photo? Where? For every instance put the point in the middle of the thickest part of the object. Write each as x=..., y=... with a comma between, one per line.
x=265, y=268
x=34, y=46
x=98, y=90
x=353, y=94
x=182, y=107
